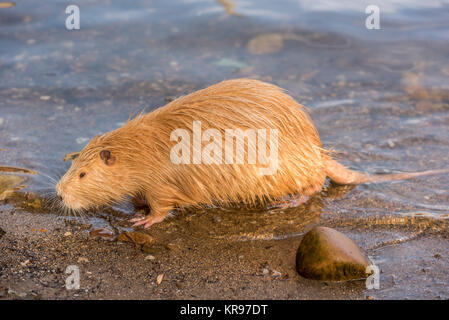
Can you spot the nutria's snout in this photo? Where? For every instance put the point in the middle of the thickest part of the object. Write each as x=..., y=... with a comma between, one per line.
x=66, y=200
x=58, y=192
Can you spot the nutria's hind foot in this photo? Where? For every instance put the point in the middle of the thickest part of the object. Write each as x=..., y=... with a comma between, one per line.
x=147, y=221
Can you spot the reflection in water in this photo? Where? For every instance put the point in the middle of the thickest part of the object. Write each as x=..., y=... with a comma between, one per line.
x=229, y=6
x=9, y=184
x=16, y=169
x=6, y=4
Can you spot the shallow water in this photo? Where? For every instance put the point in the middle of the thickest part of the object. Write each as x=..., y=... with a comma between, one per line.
x=379, y=98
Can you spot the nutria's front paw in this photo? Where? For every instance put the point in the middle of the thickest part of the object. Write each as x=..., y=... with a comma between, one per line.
x=146, y=221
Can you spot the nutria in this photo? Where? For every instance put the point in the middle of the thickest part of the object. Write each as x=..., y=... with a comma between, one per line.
x=144, y=158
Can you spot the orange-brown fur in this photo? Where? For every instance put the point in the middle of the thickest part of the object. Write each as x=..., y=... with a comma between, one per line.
x=142, y=166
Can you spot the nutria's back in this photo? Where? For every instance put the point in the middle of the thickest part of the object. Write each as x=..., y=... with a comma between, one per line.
x=233, y=104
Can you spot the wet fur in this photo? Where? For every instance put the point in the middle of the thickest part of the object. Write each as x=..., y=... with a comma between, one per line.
x=142, y=147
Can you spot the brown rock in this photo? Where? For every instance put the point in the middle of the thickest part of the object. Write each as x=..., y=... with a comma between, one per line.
x=326, y=254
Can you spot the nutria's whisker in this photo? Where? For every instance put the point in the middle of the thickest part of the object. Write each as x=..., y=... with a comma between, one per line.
x=48, y=176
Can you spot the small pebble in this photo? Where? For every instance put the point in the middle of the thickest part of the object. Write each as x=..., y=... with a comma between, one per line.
x=24, y=264
x=276, y=274
x=17, y=294
x=159, y=279
x=172, y=246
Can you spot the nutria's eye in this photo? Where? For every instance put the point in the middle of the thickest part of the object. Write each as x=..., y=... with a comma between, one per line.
x=82, y=174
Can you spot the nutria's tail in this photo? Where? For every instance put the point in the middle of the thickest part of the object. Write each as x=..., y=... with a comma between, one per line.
x=342, y=175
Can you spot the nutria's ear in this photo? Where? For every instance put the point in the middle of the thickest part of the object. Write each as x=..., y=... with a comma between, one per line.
x=107, y=157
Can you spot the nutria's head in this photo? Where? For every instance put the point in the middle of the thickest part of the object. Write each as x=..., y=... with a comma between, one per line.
x=99, y=175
